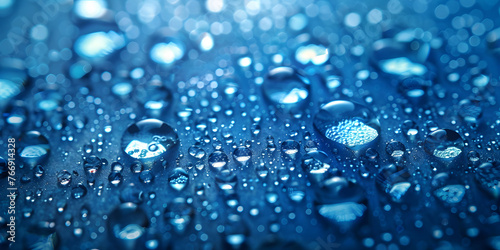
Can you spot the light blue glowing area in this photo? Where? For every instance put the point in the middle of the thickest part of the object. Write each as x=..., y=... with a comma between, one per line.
x=4, y=4
x=402, y=66
x=122, y=88
x=99, y=44
x=34, y=151
x=167, y=53
x=89, y=8
x=142, y=150
x=8, y=89
x=342, y=212
x=315, y=54
x=351, y=133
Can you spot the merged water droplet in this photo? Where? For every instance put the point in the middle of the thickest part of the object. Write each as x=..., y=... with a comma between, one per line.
x=347, y=123
x=317, y=165
x=444, y=144
x=286, y=87
x=34, y=148
x=64, y=178
x=149, y=141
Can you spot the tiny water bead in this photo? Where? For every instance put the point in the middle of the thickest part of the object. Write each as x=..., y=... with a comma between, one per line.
x=34, y=148
x=286, y=87
x=444, y=144
x=149, y=141
x=347, y=123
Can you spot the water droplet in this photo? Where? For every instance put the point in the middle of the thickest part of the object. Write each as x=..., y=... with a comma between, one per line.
x=218, y=160
x=127, y=224
x=446, y=188
x=167, y=51
x=396, y=150
x=410, y=130
x=488, y=176
x=312, y=53
x=154, y=97
x=347, y=123
x=470, y=111
x=140, y=138
x=34, y=148
x=290, y=149
x=179, y=214
x=341, y=202
x=242, y=155
x=196, y=152
x=226, y=181
x=146, y=177
x=13, y=79
x=444, y=144
x=178, y=179
x=286, y=87
x=64, y=178
x=79, y=191
x=395, y=181
x=100, y=44
x=317, y=164
x=115, y=178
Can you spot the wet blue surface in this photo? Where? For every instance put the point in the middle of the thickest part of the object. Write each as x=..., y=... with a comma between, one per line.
x=251, y=124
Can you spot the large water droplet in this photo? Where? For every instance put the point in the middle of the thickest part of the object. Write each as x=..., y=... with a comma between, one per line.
x=127, y=224
x=349, y=124
x=13, y=79
x=149, y=141
x=34, y=148
x=444, y=144
x=488, y=176
x=286, y=87
x=242, y=155
x=178, y=179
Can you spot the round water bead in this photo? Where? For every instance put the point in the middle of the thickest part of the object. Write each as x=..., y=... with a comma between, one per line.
x=127, y=225
x=34, y=148
x=347, y=123
x=149, y=141
x=470, y=110
x=341, y=202
x=242, y=155
x=317, y=164
x=178, y=179
x=447, y=189
x=444, y=144
x=286, y=87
